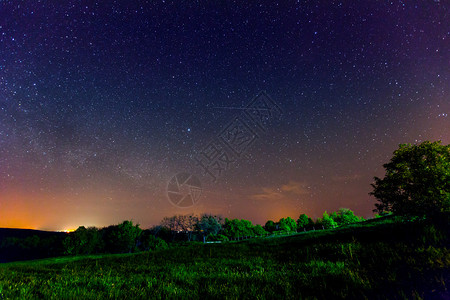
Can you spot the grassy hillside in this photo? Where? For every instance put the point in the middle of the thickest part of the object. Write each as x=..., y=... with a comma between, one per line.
x=379, y=258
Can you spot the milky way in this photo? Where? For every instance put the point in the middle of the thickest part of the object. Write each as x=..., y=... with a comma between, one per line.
x=102, y=103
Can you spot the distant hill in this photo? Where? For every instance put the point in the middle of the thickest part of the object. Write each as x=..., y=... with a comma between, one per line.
x=25, y=244
x=24, y=233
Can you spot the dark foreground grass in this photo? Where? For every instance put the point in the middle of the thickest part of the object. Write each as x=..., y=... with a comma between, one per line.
x=370, y=260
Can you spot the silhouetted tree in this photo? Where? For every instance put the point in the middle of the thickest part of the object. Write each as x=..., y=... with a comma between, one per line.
x=121, y=238
x=270, y=226
x=149, y=242
x=417, y=181
x=83, y=241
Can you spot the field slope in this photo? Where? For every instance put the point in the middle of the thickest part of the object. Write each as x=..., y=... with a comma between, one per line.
x=374, y=259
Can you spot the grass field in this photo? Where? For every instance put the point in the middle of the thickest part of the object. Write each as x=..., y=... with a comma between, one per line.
x=375, y=259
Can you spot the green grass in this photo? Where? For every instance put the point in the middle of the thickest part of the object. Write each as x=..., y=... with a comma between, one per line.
x=380, y=258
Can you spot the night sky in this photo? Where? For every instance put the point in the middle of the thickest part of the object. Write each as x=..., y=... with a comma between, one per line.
x=103, y=102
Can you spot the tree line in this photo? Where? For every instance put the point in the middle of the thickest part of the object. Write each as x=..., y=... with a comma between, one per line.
x=125, y=237
x=209, y=227
x=128, y=237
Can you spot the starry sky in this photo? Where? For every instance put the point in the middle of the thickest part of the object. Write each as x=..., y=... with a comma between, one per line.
x=103, y=102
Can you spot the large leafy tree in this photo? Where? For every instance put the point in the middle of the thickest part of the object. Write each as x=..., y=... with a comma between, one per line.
x=326, y=221
x=247, y=227
x=181, y=223
x=209, y=224
x=149, y=242
x=236, y=229
x=259, y=230
x=345, y=216
x=121, y=238
x=417, y=181
x=232, y=228
x=83, y=241
x=288, y=224
x=304, y=222
x=270, y=226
